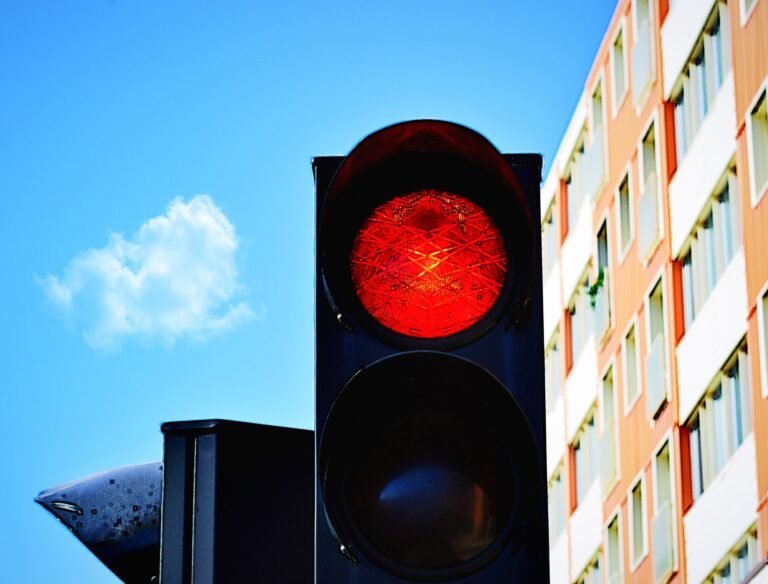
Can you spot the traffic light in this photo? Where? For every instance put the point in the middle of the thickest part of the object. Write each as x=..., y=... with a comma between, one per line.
x=430, y=438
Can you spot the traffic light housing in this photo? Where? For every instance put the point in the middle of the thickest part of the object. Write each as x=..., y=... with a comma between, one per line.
x=430, y=437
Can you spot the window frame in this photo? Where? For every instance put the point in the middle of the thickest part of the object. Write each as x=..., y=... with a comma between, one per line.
x=651, y=123
x=661, y=280
x=641, y=480
x=630, y=404
x=762, y=94
x=667, y=440
x=762, y=333
x=644, y=98
x=616, y=516
x=610, y=366
x=622, y=252
x=604, y=221
x=617, y=101
x=746, y=12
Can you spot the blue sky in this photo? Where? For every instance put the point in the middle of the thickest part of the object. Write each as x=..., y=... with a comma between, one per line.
x=129, y=301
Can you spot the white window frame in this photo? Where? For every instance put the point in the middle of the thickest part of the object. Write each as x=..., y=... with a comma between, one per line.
x=616, y=514
x=617, y=101
x=659, y=278
x=629, y=405
x=754, y=196
x=745, y=12
x=604, y=220
x=762, y=357
x=599, y=83
x=640, y=478
x=651, y=18
x=622, y=253
x=667, y=438
x=610, y=366
x=653, y=121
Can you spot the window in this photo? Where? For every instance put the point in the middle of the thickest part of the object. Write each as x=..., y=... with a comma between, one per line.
x=642, y=51
x=720, y=423
x=711, y=247
x=613, y=551
x=648, y=205
x=608, y=450
x=600, y=292
x=746, y=10
x=594, y=156
x=702, y=78
x=655, y=361
x=591, y=575
x=762, y=315
x=548, y=241
x=556, y=499
x=664, y=543
x=758, y=146
x=585, y=457
x=638, y=540
x=618, y=69
x=739, y=562
x=624, y=204
x=573, y=184
x=580, y=320
x=552, y=370
x=631, y=385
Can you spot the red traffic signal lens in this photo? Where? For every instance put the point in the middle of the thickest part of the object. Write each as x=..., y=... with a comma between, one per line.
x=428, y=264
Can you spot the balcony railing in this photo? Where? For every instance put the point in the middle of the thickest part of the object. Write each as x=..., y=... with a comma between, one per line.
x=602, y=307
x=655, y=376
x=649, y=216
x=663, y=543
x=642, y=62
x=608, y=467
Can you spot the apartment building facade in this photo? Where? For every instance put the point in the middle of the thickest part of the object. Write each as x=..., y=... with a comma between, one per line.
x=655, y=258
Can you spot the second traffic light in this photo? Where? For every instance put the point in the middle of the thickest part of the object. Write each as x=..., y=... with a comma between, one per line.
x=429, y=398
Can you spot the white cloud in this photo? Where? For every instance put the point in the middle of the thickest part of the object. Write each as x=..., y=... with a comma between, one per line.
x=175, y=278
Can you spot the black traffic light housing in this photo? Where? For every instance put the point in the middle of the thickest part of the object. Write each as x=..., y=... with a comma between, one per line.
x=430, y=451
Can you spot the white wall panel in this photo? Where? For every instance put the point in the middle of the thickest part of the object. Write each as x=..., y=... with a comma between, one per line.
x=586, y=529
x=555, y=436
x=581, y=389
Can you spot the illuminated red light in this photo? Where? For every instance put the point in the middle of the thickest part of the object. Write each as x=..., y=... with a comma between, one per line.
x=428, y=264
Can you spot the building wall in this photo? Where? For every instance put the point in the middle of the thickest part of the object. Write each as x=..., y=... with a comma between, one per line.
x=686, y=188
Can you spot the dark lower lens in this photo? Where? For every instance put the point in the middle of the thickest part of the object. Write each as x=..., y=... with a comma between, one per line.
x=431, y=493
x=419, y=462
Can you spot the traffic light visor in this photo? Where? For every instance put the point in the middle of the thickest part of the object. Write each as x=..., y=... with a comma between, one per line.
x=424, y=235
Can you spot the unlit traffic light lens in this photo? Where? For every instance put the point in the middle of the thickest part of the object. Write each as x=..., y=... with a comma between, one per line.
x=428, y=264
x=425, y=460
